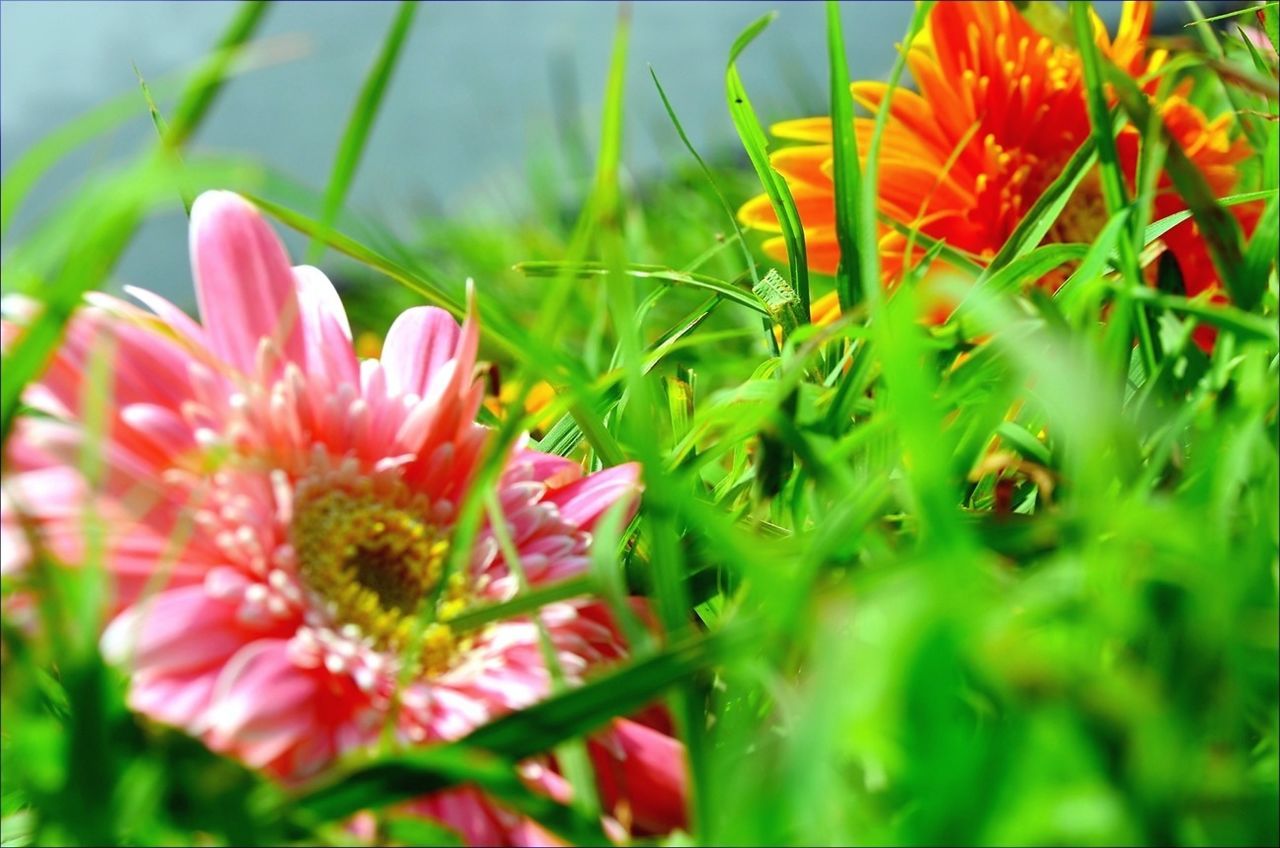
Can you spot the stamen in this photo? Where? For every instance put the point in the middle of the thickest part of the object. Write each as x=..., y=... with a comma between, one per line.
x=373, y=559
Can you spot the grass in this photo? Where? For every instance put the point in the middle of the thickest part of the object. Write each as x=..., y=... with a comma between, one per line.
x=998, y=581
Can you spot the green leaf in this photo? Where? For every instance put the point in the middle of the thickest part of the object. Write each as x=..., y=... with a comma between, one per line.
x=207, y=82
x=847, y=173
x=1219, y=229
x=728, y=209
x=486, y=756
x=775, y=187
x=1031, y=266
x=868, y=209
x=361, y=121
x=584, y=270
x=410, y=775
x=1260, y=253
x=1045, y=211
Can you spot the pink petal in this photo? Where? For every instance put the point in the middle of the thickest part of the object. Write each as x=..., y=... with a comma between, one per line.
x=583, y=501
x=548, y=468
x=156, y=433
x=479, y=821
x=145, y=365
x=244, y=283
x=325, y=330
x=645, y=768
x=15, y=552
x=178, y=321
x=265, y=706
x=420, y=341
x=178, y=631
x=177, y=699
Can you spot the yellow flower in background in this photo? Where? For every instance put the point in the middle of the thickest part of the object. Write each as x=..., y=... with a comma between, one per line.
x=536, y=404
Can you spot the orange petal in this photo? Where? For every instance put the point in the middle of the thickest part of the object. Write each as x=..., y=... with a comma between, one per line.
x=804, y=129
x=803, y=164
x=758, y=214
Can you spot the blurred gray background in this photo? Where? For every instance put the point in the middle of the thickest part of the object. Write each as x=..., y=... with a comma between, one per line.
x=480, y=88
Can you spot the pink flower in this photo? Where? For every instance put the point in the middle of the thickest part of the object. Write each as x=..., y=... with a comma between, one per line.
x=278, y=510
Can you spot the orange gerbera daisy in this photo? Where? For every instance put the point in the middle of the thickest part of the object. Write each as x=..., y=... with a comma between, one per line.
x=1000, y=110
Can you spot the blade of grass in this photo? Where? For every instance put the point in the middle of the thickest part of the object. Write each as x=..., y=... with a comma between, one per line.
x=360, y=124
x=422, y=772
x=485, y=756
x=1209, y=40
x=34, y=163
x=706, y=171
x=775, y=187
x=645, y=272
x=1260, y=253
x=1158, y=228
x=1048, y=206
x=199, y=95
x=1220, y=230
x=207, y=82
x=1114, y=192
x=162, y=129
x=1095, y=260
x=847, y=173
x=867, y=214
x=99, y=222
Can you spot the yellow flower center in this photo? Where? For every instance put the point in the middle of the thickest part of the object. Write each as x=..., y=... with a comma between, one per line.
x=1083, y=216
x=376, y=563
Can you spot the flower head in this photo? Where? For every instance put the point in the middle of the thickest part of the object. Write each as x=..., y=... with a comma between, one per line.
x=280, y=520
x=1000, y=110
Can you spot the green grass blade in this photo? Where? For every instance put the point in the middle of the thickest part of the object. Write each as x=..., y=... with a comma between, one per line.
x=34, y=163
x=847, y=175
x=360, y=124
x=1260, y=253
x=430, y=770
x=162, y=129
x=724, y=201
x=484, y=757
x=1114, y=191
x=99, y=222
x=1095, y=260
x=1158, y=228
x=424, y=285
x=1212, y=45
x=208, y=81
x=198, y=96
x=869, y=200
x=1030, y=266
x=757, y=147
x=1219, y=229
x=1045, y=211
x=585, y=270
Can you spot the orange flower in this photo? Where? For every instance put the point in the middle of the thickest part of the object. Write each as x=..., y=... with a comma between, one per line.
x=1000, y=110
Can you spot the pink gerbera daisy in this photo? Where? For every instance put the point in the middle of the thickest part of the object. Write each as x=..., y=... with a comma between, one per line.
x=279, y=511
